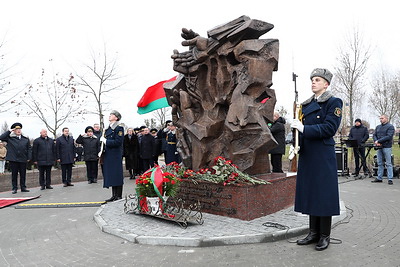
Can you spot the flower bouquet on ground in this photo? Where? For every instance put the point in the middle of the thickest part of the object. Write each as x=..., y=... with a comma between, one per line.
x=153, y=189
x=225, y=172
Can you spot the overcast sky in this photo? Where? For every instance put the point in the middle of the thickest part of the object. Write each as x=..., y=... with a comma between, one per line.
x=144, y=33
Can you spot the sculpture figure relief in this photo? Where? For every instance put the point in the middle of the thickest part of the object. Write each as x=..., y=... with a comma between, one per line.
x=222, y=100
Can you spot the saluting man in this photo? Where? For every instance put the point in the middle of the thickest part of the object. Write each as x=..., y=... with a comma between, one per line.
x=19, y=152
x=317, y=192
x=113, y=141
x=171, y=153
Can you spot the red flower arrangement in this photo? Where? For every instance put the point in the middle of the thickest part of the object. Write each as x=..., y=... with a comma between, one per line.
x=145, y=185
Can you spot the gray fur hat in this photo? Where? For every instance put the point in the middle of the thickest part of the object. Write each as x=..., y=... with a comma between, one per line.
x=117, y=114
x=323, y=73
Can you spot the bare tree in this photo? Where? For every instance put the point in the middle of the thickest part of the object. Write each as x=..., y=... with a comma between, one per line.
x=349, y=71
x=4, y=127
x=161, y=115
x=8, y=92
x=54, y=102
x=385, y=98
x=150, y=123
x=98, y=80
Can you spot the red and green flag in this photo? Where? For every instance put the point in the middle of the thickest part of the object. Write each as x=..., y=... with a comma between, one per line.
x=154, y=98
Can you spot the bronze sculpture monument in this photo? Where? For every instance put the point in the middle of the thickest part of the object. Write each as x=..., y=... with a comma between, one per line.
x=222, y=100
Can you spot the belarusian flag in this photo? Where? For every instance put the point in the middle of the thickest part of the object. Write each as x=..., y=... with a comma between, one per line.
x=154, y=98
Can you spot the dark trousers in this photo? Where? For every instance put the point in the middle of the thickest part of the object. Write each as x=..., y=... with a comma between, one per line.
x=44, y=175
x=276, y=162
x=147, y=164
x=360, y=156
x=66, y=173
x=92, y=170
x=18, y=167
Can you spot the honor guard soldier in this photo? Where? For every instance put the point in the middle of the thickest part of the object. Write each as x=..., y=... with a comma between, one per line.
x=317, y=192
x=19, y=152
x=171, y=153
x=113, y=140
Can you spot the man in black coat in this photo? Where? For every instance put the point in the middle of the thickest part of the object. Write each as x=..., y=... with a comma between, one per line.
x=360, y=133
x=43, y=154
x=91, y=149
x=96, y=130
x=19, y=152
x=278, y=132
x=131, y=148
x=154, y=132
x=147, y=149
x=65, y=148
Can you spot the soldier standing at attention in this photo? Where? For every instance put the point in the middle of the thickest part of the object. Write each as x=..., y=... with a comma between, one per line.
x=112, y=163
x=19, y=152
x=317, y=192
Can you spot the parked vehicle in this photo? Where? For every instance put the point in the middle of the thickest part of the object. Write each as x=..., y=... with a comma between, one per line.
x=289, y=137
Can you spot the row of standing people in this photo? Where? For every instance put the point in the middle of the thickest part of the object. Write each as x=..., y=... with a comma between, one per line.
x=143, y=146
x=44, y=152
x=141, y=151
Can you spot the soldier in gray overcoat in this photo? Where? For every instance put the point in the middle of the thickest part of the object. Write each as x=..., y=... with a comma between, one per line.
x=317, y=192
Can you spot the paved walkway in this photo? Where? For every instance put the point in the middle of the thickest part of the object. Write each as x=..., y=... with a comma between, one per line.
x=215, y=231
x=70, y=236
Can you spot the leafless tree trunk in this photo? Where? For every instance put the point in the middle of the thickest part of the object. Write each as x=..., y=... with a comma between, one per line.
x=8, y=91
x=385, y=98
x=150, y=123
x=349, y=71
x=161, y=115
x=53, y=103
x=99, y=80
x=4, y=127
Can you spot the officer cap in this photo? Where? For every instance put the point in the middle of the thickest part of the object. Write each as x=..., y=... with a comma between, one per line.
x=142, y=127
x=89, y=128
x=167, y=122
x=323, y=73
x=16, y=125
x=154, y=130
x=117, y=114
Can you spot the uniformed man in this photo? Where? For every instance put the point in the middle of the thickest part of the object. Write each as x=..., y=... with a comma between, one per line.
x=317, y=192
x=113, y=140
x=91, y=149
x=19, y=152
x=171, y=153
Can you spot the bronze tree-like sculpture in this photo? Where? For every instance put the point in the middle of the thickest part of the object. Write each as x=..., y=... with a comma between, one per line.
x=222, y=101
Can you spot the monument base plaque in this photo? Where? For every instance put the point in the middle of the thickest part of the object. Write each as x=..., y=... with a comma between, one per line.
x=245, y=202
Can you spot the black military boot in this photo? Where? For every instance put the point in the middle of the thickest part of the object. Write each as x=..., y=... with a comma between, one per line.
x=313, y=235
x=325, y=238
x=112, y=198
x=118, y=193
